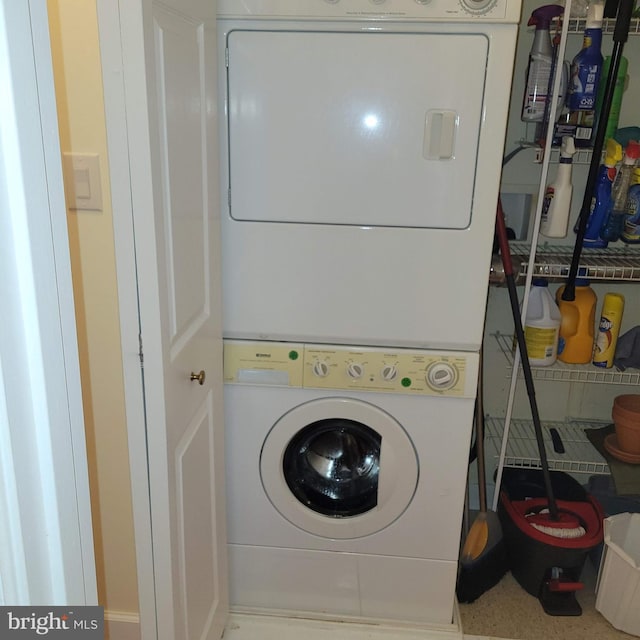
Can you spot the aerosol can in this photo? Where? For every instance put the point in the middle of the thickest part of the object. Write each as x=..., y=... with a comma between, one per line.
x=536, y=93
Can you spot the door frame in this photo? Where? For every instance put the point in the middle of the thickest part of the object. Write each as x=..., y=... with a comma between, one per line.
x=118, y=24
x=47, y=556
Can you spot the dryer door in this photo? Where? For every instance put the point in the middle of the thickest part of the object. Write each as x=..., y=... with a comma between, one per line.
x=376, y=129
x=339, y=468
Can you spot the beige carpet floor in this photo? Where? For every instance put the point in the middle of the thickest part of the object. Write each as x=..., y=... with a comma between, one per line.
x=508, y=611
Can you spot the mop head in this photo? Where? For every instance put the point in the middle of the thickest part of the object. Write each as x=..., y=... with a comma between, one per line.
x=578, y=524
x=566, y=525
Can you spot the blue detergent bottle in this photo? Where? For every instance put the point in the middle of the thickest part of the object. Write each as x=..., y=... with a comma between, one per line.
x=602, y=196
x=587, y=65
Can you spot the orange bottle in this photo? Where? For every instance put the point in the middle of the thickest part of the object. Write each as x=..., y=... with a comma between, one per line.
x=577, y=324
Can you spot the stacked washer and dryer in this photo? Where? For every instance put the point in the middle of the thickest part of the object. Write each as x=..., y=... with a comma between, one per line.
x=362, y=144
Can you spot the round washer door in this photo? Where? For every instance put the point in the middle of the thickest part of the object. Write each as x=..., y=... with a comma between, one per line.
x=339, y=468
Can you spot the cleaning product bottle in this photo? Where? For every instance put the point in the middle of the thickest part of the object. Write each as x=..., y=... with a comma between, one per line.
x=616, y=214
x=540, y=60
x=579, y=116
x=578, y=317
x=587, y=65
x=631, y=233
x=616, y=102
x=602, y=196
x=541, y=325
x=608, y=330
x=557, y=198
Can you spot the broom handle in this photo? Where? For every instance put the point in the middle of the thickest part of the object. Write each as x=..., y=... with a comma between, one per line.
x=620, y=35
x=505, y=252
x=482, y=479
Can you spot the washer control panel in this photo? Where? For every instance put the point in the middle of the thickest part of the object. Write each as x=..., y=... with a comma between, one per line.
x=376, y=369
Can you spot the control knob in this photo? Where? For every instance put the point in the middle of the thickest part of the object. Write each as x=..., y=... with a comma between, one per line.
x=478, y=7
x=441, y=376
x=320, y=369
x=355, y=370
x=389, y=372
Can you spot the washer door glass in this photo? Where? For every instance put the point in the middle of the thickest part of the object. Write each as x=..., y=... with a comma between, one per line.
x=339, y=468
x=333, y=466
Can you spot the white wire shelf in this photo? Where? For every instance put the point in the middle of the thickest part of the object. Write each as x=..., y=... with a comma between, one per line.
x=581, y=156
x=561, y=372
x=580, y=455
x=621, y=264
x=578, y=25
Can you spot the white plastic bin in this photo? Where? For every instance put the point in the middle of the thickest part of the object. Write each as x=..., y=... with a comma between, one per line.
x=618, y=586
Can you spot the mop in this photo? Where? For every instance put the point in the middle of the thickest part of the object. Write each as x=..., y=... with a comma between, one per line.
x=547, y=539
x=546, y=518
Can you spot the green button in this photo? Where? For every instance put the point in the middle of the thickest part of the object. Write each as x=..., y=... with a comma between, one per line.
x=293, y=355
x=406, y=382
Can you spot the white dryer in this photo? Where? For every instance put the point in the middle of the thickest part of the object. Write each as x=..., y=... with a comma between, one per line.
x=346, y=471
x=362, y=145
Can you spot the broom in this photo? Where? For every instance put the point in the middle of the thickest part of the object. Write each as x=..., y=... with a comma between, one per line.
x=546, y=518
x=483, y=560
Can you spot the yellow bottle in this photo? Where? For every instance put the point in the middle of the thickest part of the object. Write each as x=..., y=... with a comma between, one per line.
x=578, y=318
x=608, y=330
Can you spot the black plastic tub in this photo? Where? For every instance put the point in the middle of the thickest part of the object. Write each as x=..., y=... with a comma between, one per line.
x=547, y=566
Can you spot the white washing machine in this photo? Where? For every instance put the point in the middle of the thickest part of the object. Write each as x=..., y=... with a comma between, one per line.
x=346, y=472
x=362, y=146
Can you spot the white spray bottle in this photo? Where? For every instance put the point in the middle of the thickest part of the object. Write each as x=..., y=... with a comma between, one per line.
x=557, y=197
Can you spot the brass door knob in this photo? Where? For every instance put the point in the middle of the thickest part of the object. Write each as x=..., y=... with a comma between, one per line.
x=199, y=377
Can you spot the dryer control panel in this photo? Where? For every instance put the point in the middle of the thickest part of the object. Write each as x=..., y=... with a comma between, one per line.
x=414, y=10
x=376, y=369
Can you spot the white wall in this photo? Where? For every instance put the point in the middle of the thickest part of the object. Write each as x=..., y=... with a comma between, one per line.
x=75, y=49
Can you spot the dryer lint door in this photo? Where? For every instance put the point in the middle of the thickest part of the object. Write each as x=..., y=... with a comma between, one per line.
x=339, y=468
x=344, y=128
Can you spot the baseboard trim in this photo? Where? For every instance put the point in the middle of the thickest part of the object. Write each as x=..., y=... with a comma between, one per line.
x=121, y=625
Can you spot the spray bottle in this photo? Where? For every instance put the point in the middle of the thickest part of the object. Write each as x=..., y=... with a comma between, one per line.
x=617, y=213
x=540, y=61
x=557, y=197
x=587, y=65
x=602, y=196
x=578, y=118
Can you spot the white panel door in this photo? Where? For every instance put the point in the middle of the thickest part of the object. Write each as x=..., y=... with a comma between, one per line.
x=169, y=114
x=375, y=129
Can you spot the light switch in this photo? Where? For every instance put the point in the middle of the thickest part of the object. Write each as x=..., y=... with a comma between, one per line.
x=82, y=185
